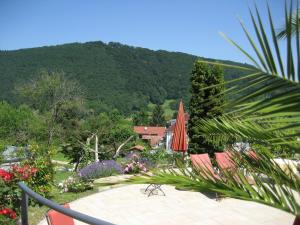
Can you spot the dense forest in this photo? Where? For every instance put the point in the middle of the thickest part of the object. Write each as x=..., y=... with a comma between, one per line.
x=111, y=75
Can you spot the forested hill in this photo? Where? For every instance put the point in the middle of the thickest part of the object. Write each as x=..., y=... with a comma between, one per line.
x=112, y=75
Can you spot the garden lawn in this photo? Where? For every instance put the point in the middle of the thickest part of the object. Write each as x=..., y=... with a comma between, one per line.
x=37, y=213
x=168, y=112
x=60, y=157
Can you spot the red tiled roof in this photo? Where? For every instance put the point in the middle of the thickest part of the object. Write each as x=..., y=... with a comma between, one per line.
x=154, y=140
x=157, y=131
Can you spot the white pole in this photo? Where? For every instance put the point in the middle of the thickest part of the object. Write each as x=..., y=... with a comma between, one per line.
x=96, y=148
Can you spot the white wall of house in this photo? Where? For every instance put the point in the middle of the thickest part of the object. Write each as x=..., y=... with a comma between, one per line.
x=169, y=141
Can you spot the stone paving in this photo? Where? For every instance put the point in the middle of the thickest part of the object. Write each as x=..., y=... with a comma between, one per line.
x=129, y=205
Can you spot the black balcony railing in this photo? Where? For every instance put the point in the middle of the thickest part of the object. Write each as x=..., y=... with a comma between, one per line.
x=27, y=192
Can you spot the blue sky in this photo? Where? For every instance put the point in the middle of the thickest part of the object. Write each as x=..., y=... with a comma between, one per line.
x=190, y=26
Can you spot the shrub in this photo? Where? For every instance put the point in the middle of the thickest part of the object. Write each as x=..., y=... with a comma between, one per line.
x=100, y=169
x=10, y=193
x=43, y=180
x=159, y=156
x=75, y=184
x=8, y=216
x=135, y=167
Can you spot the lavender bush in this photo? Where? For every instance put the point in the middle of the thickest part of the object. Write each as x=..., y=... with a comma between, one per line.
x=100, y=169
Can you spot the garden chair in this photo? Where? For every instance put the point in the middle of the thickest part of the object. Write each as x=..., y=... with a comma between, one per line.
x=56, y=218
x=153, y=187
x=227, y=164
x=202, y=162
x=252, y=154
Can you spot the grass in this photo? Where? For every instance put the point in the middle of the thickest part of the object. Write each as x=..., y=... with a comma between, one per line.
x=167, y=109
x=37, y=213
x=60, y=157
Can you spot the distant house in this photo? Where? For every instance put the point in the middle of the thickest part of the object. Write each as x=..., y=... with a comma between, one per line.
x=170, y=131
x=154, y=135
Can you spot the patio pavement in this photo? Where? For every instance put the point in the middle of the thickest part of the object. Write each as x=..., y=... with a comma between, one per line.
x=129, y=205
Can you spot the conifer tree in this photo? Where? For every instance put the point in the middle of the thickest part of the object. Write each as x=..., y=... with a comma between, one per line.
x=140, y=118
x=158, y=118
x=204, y=103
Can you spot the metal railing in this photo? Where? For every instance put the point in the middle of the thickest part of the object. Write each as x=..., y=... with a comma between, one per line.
x=13, y=160
x=27, y=192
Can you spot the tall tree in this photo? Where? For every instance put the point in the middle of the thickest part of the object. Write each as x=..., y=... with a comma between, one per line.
x=51, y=94
x=158, y=118
x=140, y=118
x=204, y=103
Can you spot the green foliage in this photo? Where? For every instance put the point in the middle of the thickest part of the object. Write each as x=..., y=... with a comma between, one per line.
x=205, y=103
x=36, y=172
x=293, y=27
x=275, y=190
x=268, y=113
x=112, y=130
x=75, y=184
x=140, y=118
x=18, y=125
x=49, y=91
x=54, y=96
x=73, y=148
x=158, y=117
x=43, y=180
x=264, y=105
x=113, y=75
x=159, y=157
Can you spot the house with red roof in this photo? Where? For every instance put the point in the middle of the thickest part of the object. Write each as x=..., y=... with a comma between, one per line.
x=154, y=135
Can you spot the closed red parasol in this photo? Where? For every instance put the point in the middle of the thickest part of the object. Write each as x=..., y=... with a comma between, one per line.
x=179, y=140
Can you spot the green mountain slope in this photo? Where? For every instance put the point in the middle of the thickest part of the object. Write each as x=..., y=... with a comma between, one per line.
x=112, y=75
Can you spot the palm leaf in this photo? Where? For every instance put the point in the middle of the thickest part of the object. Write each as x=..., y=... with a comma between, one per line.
x=276, y=191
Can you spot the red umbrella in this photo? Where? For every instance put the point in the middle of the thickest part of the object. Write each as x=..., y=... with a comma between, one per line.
x=179, y=142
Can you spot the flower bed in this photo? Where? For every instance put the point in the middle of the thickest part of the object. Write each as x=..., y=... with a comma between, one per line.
x=36, y=174
x=75, y=184
x=10, y=193
x=135, y=167
x=100, y=169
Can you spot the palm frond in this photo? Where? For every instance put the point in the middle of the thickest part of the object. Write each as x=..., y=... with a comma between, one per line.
x=282, y=34
x=225, y=129
x=269, y=183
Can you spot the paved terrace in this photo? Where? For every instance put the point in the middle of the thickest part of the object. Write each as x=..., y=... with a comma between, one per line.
x=129, y=205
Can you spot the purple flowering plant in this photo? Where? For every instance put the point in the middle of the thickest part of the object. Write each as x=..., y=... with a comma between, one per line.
x=100, y=169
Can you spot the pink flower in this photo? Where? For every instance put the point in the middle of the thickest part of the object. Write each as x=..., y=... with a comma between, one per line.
x=6, y=176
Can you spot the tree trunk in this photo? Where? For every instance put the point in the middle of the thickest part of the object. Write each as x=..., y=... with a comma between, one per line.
x=120, y=147
x=50, y=135
x=96, y=149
